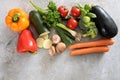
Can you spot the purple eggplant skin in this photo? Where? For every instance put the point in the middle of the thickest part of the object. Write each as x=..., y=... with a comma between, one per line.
x=105, y=24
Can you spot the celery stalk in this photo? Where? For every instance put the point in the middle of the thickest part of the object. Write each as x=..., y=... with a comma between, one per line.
x=40, y=10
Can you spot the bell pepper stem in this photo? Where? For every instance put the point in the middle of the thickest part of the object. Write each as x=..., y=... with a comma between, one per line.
x=15, y=17
x=32, y=52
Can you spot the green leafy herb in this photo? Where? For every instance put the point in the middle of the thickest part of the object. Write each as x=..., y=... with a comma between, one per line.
x=87, y=26
x=51, y=18
x=87, y=7
x=80, y=6
x=52, y=6
x=88, y=29
x=83, y=12
x=91, y=15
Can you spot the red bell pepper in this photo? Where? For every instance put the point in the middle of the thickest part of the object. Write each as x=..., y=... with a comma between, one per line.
x=26, y=42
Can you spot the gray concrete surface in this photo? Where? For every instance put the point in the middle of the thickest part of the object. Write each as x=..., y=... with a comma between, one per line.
x=15, y=66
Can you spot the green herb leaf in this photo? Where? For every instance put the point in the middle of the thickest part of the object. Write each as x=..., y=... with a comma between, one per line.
x=52, y=6
x=92, y=15
x=87, y=7
x=51, y=18
x=80, y=6
x=83, y=12
x=88, y=29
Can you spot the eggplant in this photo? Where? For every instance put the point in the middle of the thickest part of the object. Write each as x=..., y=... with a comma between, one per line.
x=105, y=24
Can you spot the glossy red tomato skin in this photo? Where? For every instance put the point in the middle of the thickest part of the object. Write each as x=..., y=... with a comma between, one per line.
x=72, y=23
x=75, y=12
x=63, y=11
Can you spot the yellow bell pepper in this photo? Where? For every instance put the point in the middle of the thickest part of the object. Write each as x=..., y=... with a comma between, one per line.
x=17, y=20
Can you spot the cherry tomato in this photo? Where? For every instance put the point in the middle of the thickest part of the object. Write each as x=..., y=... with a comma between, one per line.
x=75, y=12
x=63, y=11
x=72, y=23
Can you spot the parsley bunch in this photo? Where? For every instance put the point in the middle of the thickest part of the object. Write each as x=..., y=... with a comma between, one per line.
x=52, y=17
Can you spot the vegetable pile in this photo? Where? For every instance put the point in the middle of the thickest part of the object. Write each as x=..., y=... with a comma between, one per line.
x=51, y=18
x=69, y=25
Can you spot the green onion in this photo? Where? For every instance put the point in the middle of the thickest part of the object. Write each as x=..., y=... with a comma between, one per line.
x=73, y=33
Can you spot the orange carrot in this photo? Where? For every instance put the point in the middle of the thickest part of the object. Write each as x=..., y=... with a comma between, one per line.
x=100, y=49
x=101, y=42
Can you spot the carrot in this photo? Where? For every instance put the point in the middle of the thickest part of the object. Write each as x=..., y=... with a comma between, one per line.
x=101, y=42
x=89, y=50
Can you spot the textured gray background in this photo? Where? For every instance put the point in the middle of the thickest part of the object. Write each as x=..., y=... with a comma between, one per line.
x=14, y=66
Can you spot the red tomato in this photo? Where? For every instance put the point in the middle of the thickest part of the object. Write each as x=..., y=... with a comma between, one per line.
x=63, y=11
x=75, y=12
x=72, y=23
